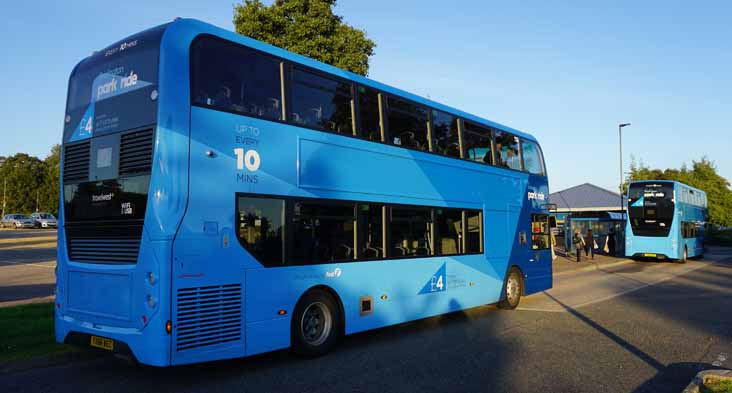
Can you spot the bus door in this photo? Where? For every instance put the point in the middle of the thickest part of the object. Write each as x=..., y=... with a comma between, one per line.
x=538, y=251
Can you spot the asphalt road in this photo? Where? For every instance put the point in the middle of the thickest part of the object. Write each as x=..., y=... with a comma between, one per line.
x=631, y=328
x=27, y=261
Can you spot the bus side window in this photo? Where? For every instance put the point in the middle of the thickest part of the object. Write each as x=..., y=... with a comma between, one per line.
x=321, y=102
x=478, y=144
x=410, y=232
x=449, y=228
x=507, y=151
x=261, y=227
x=370, y=120
x=370, y=231
x=322, y=232
x=407, y=124
x=473, y=231
x=445, y=134
x=234, y=78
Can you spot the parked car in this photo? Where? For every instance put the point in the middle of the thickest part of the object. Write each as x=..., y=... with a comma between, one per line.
x=44, y=220
x=17, y=221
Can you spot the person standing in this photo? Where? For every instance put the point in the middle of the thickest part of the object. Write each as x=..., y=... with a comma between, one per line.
x=590, y=244
x=579, y=243
x=611, y=241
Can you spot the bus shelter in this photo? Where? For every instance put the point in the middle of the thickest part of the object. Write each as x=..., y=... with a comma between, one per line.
x=603, y=225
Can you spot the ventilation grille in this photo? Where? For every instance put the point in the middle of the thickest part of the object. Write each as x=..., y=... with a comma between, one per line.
x=135, y=152
x=76, y=162
x=104, y=242
x=208, y=316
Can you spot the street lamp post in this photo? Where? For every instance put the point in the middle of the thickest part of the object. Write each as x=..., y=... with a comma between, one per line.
x=5, y=189
x=620, y=139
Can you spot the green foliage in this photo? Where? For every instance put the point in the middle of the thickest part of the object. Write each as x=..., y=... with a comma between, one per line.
x=307, y=27
x=717, y=386
x=28, y=183
x=703, y=175
x=49, y=192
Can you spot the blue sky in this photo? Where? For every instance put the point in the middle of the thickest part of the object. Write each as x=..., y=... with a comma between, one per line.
x=568, y=72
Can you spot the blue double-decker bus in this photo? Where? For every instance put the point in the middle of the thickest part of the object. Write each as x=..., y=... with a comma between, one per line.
x=223, y=197
x=666, y=220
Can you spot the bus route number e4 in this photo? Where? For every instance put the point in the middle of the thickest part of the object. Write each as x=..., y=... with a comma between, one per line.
x=249, y=160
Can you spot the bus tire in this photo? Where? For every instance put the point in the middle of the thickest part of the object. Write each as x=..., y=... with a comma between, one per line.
x=513, y=287
x=315, y=324
x=685, y=256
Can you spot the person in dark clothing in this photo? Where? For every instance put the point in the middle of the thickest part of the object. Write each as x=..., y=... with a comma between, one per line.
x=579, y=243
x=590, y=244
x=611, y=241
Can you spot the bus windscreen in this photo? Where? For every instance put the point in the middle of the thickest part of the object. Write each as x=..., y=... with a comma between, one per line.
x=651, y=208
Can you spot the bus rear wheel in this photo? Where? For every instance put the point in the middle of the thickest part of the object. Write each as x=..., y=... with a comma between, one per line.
x=513, y=288
x=315, y=324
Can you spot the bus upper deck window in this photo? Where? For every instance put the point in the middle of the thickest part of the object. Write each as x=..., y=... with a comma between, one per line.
x=235, y=78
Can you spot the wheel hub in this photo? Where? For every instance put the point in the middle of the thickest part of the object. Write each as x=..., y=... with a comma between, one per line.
x=512, y=289
x=316, y=323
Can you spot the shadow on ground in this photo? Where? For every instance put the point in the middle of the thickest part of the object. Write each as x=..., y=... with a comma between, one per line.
x=22, y=292
x=705, y=293
x=410, y=357
x=674, y=377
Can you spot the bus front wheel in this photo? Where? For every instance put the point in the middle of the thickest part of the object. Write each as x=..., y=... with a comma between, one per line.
x=315, y=324
x=685, y=256
x=513, y=288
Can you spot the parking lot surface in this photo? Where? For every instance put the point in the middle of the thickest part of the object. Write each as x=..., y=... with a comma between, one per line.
x=627, y=327
x=27, y=262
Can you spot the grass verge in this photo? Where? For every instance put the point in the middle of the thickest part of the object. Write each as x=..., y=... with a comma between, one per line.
x=27, y=332
x=719, y=386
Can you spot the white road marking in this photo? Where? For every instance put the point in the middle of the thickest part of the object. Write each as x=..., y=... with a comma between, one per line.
x=621, y=293
x=642, y=284
x=539, y=309
x=32, y=264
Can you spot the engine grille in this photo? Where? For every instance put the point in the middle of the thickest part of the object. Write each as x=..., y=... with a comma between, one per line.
x=76, y=162
x=208, y=316
x=135, y=152
x=104, y=242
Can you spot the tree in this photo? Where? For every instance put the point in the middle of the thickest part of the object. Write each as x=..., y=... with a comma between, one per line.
x=49, y=192
x=307, y=27
x=23, y=175
x=702, y=175
x=30, y=183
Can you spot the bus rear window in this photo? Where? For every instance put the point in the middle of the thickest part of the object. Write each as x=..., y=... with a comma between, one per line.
x=115, y=89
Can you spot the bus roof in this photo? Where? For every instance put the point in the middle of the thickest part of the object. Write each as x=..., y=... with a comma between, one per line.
x=187, y=26
x=669, y=181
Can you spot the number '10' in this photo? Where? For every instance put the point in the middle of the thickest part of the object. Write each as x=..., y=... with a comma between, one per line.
x=250, y=159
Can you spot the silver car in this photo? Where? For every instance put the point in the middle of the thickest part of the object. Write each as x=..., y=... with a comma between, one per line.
x=18, y=221
x=44, y=220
